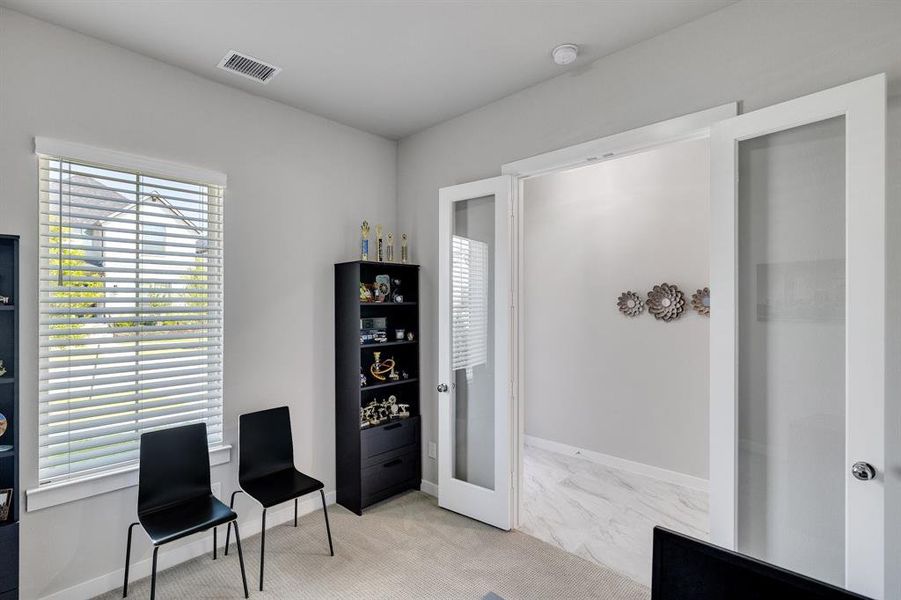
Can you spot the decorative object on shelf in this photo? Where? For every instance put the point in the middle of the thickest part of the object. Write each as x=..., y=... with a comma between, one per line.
x=404, y=374
x=393, y=375
x=399, y=334
x=6, y=500
x=404, y=250
x=4, y=423
x=382, y=288
x=379, y=369
x=391, y=405
x=2, y=369
x=630, y=304
x=390, y=250
x=380, y=411
x=5, y=300
x=362, y=378
x=396, y=296
x=410, y=336
x=666, y=302
x=364, y=241
x=373, y=323
x=700, y=301
x=373, y=336
x=380, y=250
x=365, y=292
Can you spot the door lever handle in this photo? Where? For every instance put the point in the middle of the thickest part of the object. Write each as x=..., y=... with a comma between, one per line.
x=863, y=471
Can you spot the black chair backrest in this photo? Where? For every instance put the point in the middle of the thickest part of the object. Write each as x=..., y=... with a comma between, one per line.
x=174, y=467
x=265, y=443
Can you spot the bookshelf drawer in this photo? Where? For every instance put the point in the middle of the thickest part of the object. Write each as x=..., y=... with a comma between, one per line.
x=388, y=475
x=386, y=441
x=9, y=557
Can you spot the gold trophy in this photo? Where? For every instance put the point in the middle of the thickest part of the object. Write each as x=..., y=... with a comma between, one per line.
x=364, y=242
x=404, y=253
x=390, y=247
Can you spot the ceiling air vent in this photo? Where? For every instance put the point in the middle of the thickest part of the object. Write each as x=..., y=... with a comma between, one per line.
x=248, y=66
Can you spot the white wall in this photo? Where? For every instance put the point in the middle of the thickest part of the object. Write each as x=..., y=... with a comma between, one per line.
x=635, y=388
x=757, y=52
x=299, y=186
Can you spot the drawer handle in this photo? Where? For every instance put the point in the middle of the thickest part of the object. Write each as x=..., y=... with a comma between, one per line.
x=393, y=463
x=395, y=426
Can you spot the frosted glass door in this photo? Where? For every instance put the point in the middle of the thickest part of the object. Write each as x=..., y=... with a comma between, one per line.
x=791, y=332
x=474, y=404
x=472, y=340
x=797, y=455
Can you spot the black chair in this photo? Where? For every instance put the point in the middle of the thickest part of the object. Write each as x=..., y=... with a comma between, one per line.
x=266, y=470
x=174, y=495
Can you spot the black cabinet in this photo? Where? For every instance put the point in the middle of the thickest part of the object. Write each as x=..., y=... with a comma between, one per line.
x=9, y=408
x=378, y=459
x=9, y=559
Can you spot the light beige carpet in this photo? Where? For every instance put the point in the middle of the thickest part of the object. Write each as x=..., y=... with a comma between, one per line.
x=406, y=547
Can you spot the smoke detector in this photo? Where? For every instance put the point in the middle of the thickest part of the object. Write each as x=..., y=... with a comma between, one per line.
x=248, y=66
x=565, y=54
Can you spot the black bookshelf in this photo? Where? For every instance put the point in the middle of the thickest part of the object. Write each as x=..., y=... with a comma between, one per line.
x=9, y=407
x=375, y=462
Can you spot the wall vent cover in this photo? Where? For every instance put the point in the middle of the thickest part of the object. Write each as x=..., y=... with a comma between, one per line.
x=248, y=66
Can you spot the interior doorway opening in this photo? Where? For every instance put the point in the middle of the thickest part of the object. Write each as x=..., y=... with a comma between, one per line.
x=616, y=418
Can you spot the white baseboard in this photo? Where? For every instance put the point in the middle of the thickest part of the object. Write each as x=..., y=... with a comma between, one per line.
x=689, y=481
x=429, y=488
x=177, y=554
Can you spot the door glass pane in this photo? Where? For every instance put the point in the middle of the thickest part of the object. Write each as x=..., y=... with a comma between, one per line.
x=472, y=337
x=791, y=455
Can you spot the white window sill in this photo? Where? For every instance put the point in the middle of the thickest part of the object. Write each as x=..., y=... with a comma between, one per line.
x=54, y=494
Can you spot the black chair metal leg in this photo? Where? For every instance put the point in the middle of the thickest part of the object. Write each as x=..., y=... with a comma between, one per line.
x=241, y=559
x=228, y=530
x=156, y=549
x=214, y=543
x=328, y=529
x=295, y=512
x=127, y=560
x=262, y=549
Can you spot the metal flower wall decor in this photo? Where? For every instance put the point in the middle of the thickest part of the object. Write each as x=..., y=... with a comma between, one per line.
x=700, y=301
x=630, y=304
x=666, y=302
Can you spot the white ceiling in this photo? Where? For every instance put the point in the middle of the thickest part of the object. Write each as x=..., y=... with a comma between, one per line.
x=391, y=67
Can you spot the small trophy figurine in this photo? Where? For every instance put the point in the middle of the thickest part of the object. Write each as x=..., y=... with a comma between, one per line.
x=404, y=254
x=2, y=369
x=380, y=256
x=364, y=242
x=390, y=247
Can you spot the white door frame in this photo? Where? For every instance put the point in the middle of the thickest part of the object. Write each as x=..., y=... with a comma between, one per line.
x=688, y=127
x=863, y=104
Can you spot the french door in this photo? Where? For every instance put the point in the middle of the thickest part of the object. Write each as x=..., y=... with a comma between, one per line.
x=474, y=320
x=797, y=333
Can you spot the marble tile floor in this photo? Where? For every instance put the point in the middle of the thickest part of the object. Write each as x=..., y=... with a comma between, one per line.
x=603, y=514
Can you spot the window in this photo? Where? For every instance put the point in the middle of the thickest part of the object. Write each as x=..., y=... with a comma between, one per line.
x=130, y=312
x=470, y=303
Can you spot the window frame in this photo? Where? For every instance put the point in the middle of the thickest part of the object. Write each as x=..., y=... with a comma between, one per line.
x=122, y=475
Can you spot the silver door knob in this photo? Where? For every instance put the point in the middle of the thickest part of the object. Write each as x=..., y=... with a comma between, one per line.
x=863, y=471
x=442, y=387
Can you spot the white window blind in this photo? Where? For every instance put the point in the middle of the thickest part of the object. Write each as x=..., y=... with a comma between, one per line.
x=469, y=303
x=130, y=312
